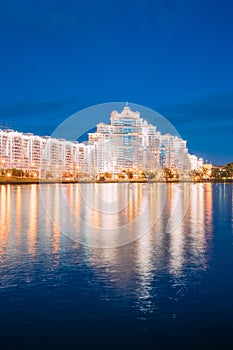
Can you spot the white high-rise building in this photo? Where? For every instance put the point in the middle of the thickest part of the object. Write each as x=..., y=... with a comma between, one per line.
x=173, y=152
x=40, y=156
x=194, y=162
x=131, y=142
x=128, y=143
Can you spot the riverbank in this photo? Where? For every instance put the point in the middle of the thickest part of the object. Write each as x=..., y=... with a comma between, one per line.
x=23, y=180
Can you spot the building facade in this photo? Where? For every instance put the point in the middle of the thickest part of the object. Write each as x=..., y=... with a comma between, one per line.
x=127, y=143
x=130, y=142
x=38, y=156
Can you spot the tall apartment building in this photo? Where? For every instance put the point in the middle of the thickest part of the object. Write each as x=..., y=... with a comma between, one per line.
x=173, y=152
x=129, y=141
x=40, y=156
x=194, y=163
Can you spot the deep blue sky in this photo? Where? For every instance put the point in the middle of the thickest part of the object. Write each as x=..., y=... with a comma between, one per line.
x=58, y=56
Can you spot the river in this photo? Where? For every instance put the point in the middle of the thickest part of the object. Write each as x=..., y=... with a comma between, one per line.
x=124, y=264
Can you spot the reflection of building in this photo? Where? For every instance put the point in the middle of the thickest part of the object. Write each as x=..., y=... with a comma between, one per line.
x=129, y=143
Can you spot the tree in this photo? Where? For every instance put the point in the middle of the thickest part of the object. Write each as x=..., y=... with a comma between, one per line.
x=229, y=169
x=107, y=175
x=196, y=174
x=216, y=174
x=170, y=174
x=130, y=173
x=17, y=172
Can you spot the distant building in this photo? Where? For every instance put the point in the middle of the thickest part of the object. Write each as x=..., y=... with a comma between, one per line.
x=194, y=162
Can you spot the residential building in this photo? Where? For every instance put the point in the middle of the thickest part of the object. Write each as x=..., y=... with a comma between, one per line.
x=127, y=143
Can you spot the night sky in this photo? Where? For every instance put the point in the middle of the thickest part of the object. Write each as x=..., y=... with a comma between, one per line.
x=176, y=57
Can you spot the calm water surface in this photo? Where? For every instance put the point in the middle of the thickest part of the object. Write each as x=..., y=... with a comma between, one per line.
x=135, y=265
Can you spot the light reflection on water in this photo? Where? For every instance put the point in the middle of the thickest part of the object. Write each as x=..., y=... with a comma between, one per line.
x=173, y=220
x=43, y=228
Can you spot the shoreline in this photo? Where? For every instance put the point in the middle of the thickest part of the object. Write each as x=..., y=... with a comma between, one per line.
x=32, y=181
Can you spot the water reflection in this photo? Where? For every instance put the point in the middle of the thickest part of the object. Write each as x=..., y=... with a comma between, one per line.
x=177, y=207
x=232, y=211
x=93, y=218
x=33, y=218
x=181, y=210
x=4, y=218
x=176, y=222
x=145, y=273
